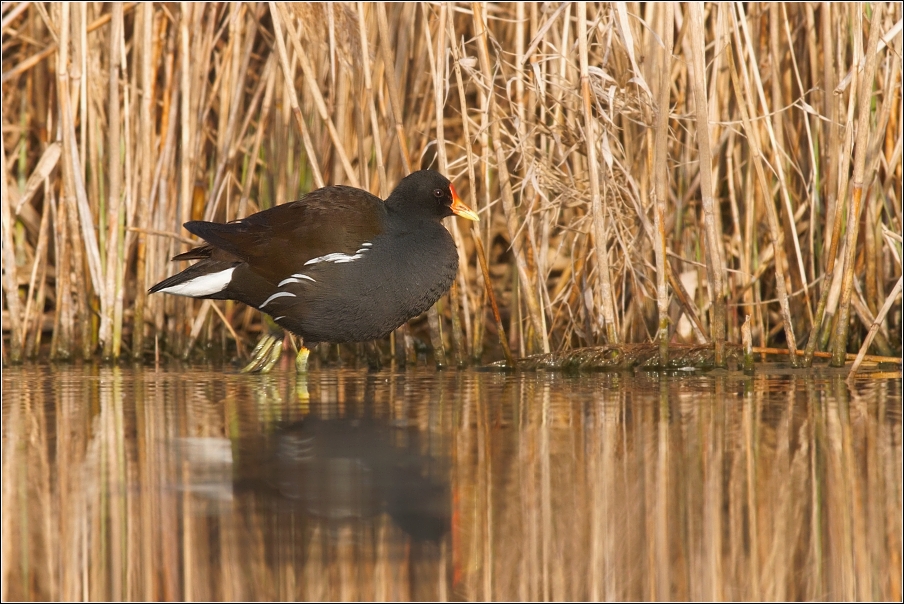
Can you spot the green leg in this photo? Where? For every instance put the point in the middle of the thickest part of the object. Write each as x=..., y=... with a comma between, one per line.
x=301, y=375
x=265, y=355
x=268, y=350
x=301, y=360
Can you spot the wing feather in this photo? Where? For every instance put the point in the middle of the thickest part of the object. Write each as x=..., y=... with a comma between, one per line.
x=277, y=242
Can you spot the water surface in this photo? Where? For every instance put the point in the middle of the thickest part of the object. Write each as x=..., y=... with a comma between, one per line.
x=199, y=483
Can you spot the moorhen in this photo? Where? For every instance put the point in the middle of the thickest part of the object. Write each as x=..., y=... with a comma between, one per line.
x=338, y=265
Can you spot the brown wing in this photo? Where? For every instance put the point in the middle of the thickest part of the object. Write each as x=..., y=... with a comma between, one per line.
x=196, y=253
x=277, y=242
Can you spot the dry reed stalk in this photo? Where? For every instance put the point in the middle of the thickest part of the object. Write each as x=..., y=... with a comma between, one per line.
x=687, y=303
x=811, y=147
x=873, y=277
x=61, y=339
x=533, y=127
x=369, y=96
x=164, y=178
x=293, y=98
x=196, y=327
x=231, y=97
x=508, y=202
x=146, y=166
x=864, y=96
x=715, y=264
x=269, y=77
x=51, y=48
x=314, y=89
x=49, y=159
x=130, y=195
x=11, y=278
x=437, y=341
x=110, y=329
x=186, y=135
x=482, y=282
x=659, y=168
x=437, y=60
x=835, y=190
x=68, y=86
x=776, y=130
x=39, y=264
x=79, y=69
x=599, y=221
x=395, y=101
x=481, y=258
x=778, y=165
x=742, y=87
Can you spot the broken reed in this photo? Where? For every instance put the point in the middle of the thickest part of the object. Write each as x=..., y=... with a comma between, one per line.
x=640, y=171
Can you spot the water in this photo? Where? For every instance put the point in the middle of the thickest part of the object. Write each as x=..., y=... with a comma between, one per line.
x=198, y=483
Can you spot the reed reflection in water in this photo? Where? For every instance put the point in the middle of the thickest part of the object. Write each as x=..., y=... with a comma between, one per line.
x=126, y=483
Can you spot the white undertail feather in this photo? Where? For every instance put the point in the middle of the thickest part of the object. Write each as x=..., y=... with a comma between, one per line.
x=205, y=285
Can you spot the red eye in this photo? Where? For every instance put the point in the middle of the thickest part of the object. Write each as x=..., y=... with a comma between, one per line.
x=438, y=193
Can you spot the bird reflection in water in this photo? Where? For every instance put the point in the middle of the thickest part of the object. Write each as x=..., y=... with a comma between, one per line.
x=351, y=470
x=334, y=494
x=327, y=473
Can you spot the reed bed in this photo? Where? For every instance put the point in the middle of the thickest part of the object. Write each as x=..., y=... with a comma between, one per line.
x=642, y=172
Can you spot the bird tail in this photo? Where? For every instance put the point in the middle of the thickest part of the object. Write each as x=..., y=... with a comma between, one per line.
x=206, y=279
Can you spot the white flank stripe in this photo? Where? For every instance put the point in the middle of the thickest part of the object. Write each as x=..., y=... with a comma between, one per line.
x=337, y=257
x=296, y=278
x=204, y=285
x=275, y=296
x=366, y=244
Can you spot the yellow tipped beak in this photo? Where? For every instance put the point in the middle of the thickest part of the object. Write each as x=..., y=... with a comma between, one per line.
x=460, y=209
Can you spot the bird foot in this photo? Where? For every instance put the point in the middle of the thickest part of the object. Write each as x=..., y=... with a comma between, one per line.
x=265, y=355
